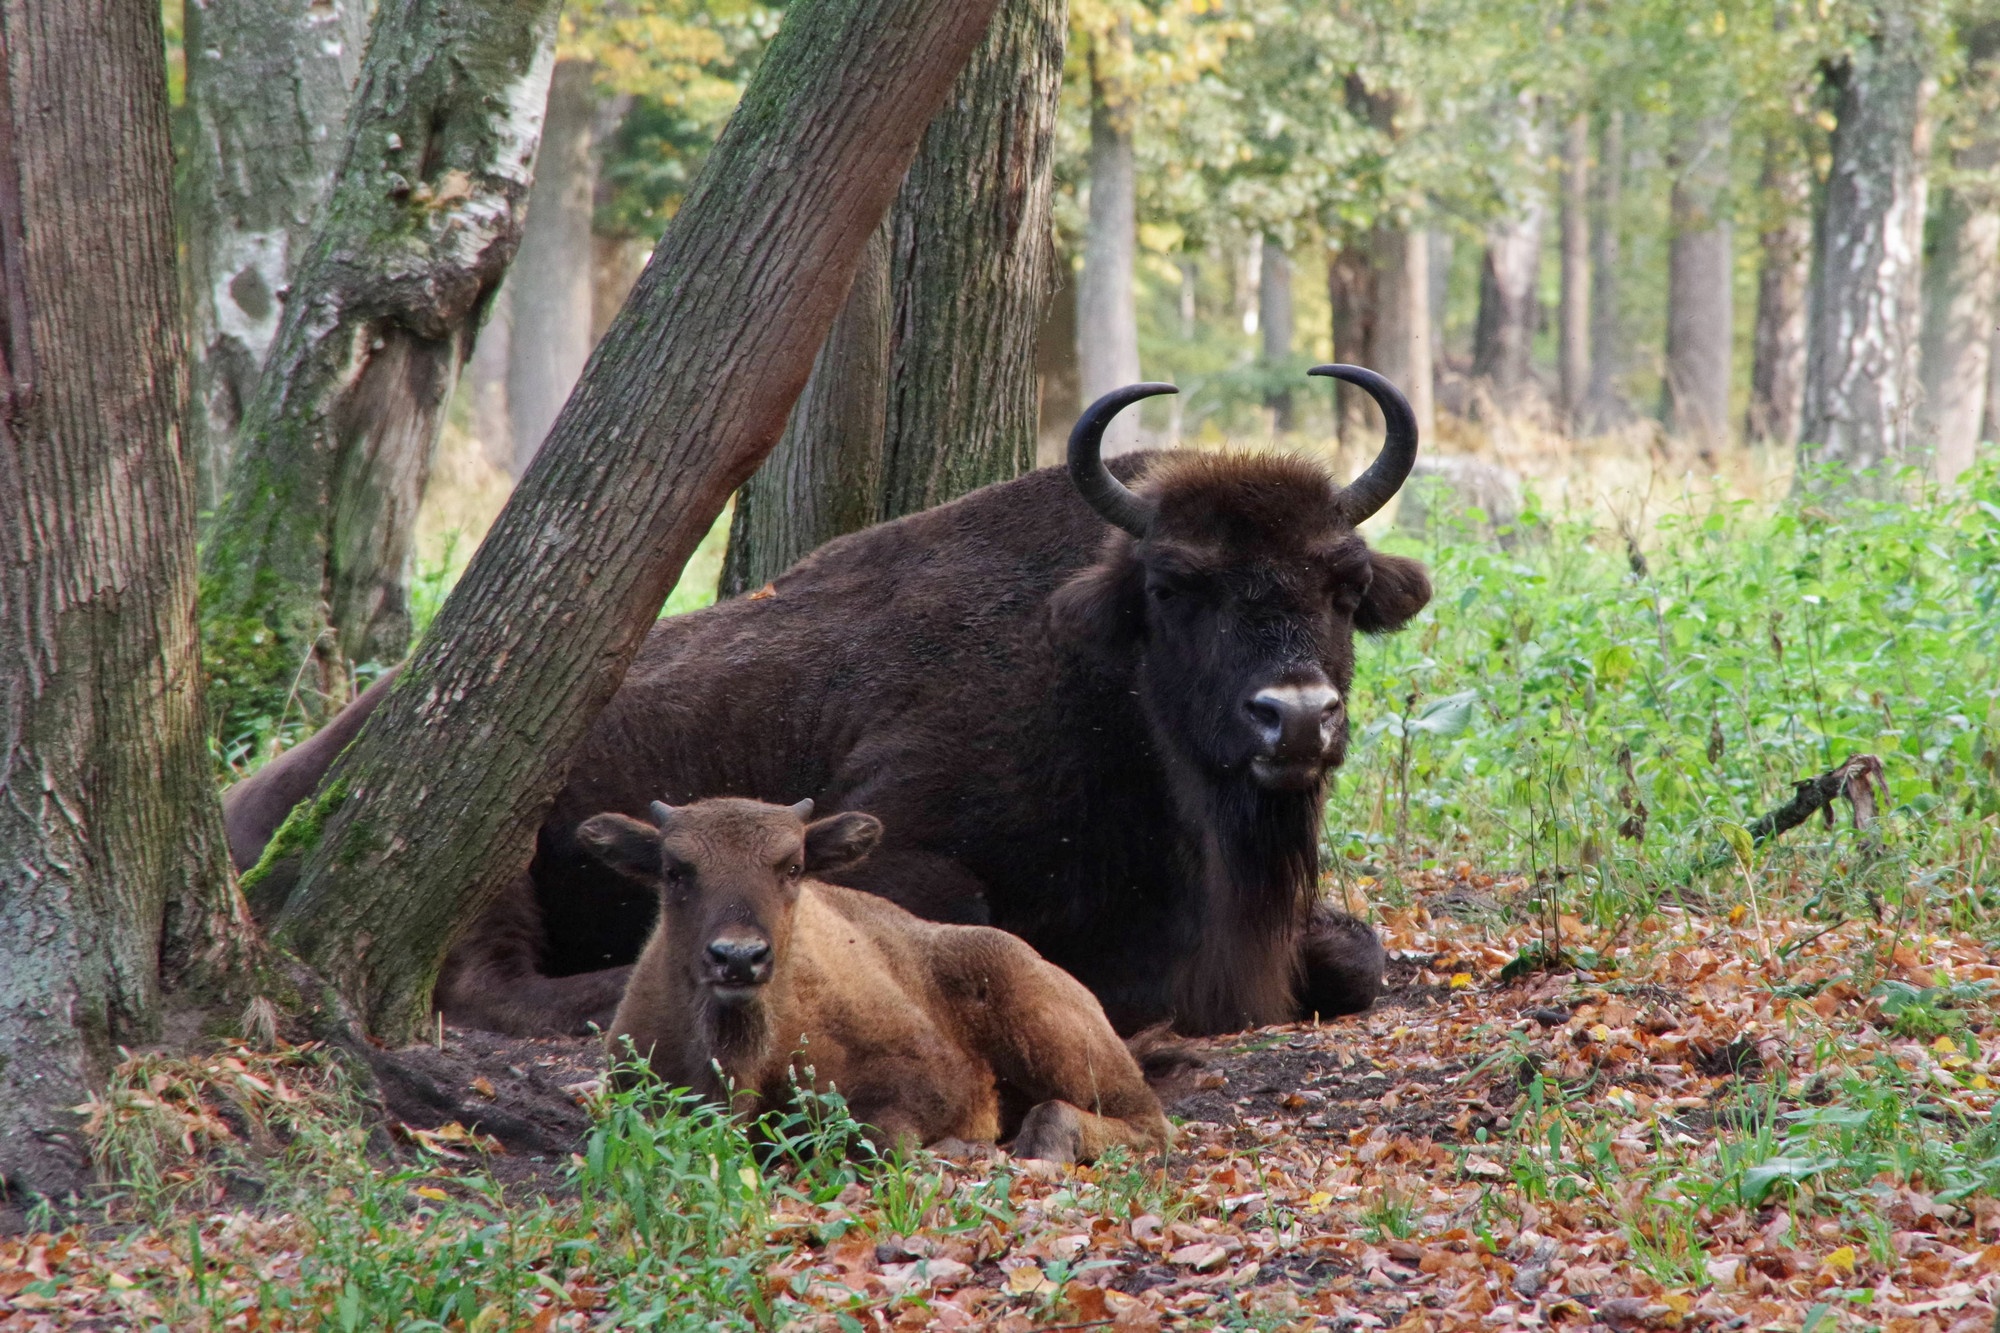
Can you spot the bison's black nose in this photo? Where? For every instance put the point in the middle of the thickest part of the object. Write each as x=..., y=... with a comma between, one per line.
x=1294, y=722
x=739, y=962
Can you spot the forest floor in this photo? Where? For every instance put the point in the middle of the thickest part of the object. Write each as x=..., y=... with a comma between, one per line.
x=1728, y=1121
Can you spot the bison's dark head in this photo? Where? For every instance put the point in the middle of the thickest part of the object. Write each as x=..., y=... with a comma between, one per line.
x=1235, y=590
x=729, y=873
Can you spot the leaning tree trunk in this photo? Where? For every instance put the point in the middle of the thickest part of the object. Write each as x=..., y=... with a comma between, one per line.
x=1694, y=393
x=1604, y=402
x=1274, y=326
x=267, y=90
x=114, y=876
x=435, y=805
x=1107, y=320
x=1504, y=338
x=824, y=477
x=1861, y=346
x=1573, y=307
x=305, y=571
x=972, y=266
x=1778, y=345
x=549, y=285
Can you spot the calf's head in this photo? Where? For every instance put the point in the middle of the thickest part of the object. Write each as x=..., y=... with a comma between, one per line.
x=728, y=873
x=1235, y=590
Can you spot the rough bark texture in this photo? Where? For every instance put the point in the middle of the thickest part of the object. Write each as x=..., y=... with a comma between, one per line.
x=971, y=269
x=335, y=446
x=1107, y=321
x=1402, y=349
x=1504, y=339
x=824, y=478
x=1861, y=347
x=437, y=801
x=1694, y=392
x=1573, y=312
x=1274, y=326
x=549, y=286
x=1778, y=345
x=1604, y=402
x=114, y=880
x=267, y=90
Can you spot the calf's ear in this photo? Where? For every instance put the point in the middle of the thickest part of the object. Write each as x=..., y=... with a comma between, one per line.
x=840, y=840
x=629, y=846
x=1102, y=609
x=1399, y=589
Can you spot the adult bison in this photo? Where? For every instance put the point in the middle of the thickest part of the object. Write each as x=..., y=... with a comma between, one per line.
x=1096, y=709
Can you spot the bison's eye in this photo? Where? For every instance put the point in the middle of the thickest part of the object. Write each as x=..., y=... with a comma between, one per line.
x=794, y=871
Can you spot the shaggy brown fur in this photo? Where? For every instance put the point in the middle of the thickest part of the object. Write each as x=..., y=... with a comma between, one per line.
x=756, y=975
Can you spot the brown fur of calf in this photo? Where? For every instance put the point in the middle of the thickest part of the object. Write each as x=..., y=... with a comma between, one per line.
x=931, y=1032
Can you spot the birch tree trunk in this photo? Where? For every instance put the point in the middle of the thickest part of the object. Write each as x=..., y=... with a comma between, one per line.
x=1274, y=326
x=972, y=266
x=549, y=285
x=1694, y=393
x=306, y=570
x=434, y=806
x=268, y=83
x=824, y=478
x=1778, y=365
x=1861, y=348
x=114, y=875
x=1107, y=321
x=1573, y=314
x=1604, y=402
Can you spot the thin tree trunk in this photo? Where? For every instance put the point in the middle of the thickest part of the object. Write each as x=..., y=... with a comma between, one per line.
x=268, y=83
x=1107, y=321
x=1402, y=343
x=306, y=569
x=434, y=807
x=1274, y=325
x=114, y=876
x=1694, y=393
x=1351, y=291
x=549, y=285
x=824, y=478
x=971, y=269
x=1861, y=348
x=1573, y=314
x=1504, y=340
x=1778, y=365
x=1604, y=403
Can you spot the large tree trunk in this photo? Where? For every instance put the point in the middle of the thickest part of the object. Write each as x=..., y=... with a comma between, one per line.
x=1274, y=325
x=1402, y=307
x=434, y=806
x=267, y=91
x=305, y=571
x=114, y=876
x=1504, y=339
x=1861, y=347
x=1604, y=402
x=549, y=286
x=1694, y=393
x=972, y=266
x=1351, y=291
x=1778, y=345
x=824, y=478
x=1107, y=320
x=1573, y=309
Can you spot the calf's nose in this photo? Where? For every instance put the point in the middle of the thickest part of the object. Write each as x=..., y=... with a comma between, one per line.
x=740, y=962
x=1294, y=721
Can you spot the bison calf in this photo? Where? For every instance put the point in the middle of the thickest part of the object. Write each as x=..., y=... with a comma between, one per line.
x=755, y=969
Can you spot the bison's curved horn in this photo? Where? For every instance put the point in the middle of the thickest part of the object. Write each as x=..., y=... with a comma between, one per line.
x=1100, y=490
x=1385, y=476
x=804, y=809
x=663, y=814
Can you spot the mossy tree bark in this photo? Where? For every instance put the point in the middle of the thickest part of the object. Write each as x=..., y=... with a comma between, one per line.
x=114, y=876
x=431, y=810
x=305, y=569
x=267, y=88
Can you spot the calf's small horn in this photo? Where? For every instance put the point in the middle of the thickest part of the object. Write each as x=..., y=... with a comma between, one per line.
x=1391, y=468
x=1110, y=497
x=663, y=814
x=804, y=809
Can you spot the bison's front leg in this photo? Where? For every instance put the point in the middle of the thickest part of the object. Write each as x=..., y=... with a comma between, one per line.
x=1340, y=965
x=1059, y=1132
x=492, y=979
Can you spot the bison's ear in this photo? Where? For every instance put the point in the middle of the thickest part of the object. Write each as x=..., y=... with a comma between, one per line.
x=1102, y=609
x=1399, y=589
x=840, y=840
x=629, y=846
